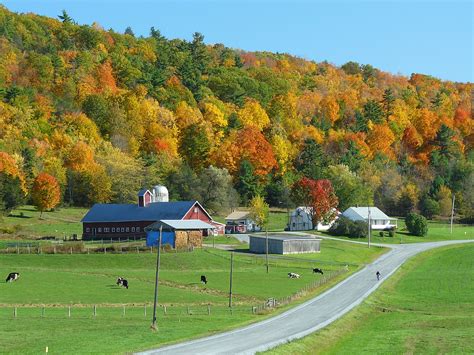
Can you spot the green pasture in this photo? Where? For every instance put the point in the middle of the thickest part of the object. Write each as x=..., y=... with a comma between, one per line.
x=25, y=222
x=57, y=281
x=427, y=307
x=437, y=231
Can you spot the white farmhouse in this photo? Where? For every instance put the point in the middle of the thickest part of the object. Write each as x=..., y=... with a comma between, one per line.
x=300, y=220
x=378, y=219
x=240, y=222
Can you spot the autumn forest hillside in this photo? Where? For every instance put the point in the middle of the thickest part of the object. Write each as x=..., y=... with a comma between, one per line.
x=104, y=114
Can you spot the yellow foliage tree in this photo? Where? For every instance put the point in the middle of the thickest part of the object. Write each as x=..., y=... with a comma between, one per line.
x=252, y=114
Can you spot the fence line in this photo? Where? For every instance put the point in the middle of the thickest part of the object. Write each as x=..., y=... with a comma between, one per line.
x=276, y=302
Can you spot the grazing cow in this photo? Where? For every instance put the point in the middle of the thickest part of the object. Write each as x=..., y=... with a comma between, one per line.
x=122, y=282
x=12, y=276
x=318, y=271
x=293, y=275
x=204, y=279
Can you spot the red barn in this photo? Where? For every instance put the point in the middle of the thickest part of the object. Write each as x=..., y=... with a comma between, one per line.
x=113, y=221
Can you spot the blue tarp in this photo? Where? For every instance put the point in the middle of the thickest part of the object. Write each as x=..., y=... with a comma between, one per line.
x=152, y=238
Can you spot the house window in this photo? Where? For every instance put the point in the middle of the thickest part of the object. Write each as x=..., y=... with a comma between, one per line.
x=133, y=229
x=195, y=210
x=107, y=230
x=127, y=229
x=113, y=230
x=138, y=229
x=294, y=224
x=88, y=230
x=99, y=230
x=122, y=229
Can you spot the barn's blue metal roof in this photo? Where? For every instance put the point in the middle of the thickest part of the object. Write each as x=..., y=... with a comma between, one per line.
x=109, y=212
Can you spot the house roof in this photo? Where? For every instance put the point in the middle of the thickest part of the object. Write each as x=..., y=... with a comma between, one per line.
x=155, y=211
x=238, y=215
x=180, y=224
x=142, y=192
x=284, y=237
x=363, y=212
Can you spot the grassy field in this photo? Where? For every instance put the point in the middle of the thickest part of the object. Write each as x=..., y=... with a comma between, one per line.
x=426, y=307
x=437, y=231
x=25, y=222
x=82, y=281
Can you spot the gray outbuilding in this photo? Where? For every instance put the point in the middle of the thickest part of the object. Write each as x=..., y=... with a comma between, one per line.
x=284, y=244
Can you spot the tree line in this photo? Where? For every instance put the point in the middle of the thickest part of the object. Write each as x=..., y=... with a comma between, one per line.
x=104, y=113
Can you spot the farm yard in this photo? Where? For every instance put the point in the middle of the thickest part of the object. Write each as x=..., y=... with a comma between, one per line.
x=427, y=306
x=49, y=284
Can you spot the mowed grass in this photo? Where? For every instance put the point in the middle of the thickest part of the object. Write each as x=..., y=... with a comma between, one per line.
x=426, y=307
x=83, y=280
x=25, y=222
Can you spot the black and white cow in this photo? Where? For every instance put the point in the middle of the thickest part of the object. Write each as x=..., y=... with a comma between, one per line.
x=293, y=275
x=204, y=279
x=318, y=271
x=122, y=282
x=12, y=276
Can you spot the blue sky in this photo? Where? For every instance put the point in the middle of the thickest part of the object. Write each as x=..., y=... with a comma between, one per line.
x=430, y=37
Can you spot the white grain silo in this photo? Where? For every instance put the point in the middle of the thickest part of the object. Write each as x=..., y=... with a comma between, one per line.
x=160, y=194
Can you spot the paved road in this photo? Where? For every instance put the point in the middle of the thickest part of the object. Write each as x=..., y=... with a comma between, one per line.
x=307, y=317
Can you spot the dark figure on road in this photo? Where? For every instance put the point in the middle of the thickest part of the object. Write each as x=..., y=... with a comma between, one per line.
x=378, y=275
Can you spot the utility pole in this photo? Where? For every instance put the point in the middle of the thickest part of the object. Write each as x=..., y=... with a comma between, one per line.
x=452, y=213
x=266, y=246
x=368, y=241
x=230, y=279
x=153, y=324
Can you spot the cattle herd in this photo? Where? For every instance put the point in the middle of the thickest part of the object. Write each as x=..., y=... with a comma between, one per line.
x=294, y=275
x=13, y=276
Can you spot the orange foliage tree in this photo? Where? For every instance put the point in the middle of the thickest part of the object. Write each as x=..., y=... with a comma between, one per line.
x=45, y=193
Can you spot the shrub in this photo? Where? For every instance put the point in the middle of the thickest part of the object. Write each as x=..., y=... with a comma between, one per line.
x=341, y=227
x=391, y=233
x=416, y=224
x=381, y=234
x=429, y=207
x=358, y=229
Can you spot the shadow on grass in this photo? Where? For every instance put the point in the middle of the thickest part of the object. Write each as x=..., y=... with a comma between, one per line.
x=20, y=215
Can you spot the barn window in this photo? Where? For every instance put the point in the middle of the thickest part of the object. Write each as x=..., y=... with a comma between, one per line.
x=113, y=230
x=99, y=230
x=122, y=229
x=107, y=230
x=133, y=229
x=138, y=229
x=195, y=210
x=127, y=229
x=88, y=230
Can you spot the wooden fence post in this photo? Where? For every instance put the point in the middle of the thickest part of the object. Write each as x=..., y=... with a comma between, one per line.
x=42, y=311
x=14, y=312
x=71, y=250
x=144, y=308
x=164, y=309
x=188, y=311
x=208, y=309
x=123, y=314
x=69, y=311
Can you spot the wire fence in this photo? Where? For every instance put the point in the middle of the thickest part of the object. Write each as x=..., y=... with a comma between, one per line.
x=278, y=302
x=144, y=311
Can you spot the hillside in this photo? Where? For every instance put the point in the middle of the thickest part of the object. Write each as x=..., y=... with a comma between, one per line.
x=107, y=113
